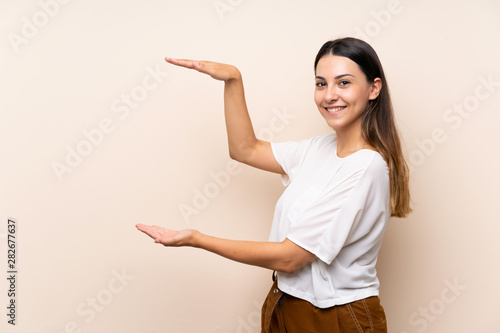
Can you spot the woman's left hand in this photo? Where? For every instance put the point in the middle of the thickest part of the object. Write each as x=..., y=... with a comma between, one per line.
x=168, y=237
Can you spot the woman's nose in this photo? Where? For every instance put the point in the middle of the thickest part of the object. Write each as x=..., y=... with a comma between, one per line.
x=331, y=95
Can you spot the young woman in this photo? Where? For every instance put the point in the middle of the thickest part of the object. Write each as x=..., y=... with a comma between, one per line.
x=342, y=188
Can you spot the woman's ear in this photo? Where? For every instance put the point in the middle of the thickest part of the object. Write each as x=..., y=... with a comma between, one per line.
x=375, y=88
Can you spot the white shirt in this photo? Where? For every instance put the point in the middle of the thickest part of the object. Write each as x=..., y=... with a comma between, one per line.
x=336, y=208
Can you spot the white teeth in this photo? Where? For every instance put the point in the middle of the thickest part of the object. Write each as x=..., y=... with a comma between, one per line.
x=335, y=109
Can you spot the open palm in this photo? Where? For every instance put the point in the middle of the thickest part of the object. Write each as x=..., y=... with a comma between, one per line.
x=165, y=236
x=218, y=71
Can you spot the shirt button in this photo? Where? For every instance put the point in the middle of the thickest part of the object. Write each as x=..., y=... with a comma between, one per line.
x=275, y=291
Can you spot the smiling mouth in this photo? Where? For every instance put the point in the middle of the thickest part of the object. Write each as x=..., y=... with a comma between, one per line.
x=335, y=109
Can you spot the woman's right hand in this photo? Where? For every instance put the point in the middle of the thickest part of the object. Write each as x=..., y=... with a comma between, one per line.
x=218, y=71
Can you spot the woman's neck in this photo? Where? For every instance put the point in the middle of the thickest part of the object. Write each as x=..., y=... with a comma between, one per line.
x=350, y=141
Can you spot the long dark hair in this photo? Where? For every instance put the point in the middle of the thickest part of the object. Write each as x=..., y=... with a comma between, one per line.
x=378, y=123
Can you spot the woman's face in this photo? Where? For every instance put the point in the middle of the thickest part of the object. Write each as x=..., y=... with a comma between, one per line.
x=342, y=92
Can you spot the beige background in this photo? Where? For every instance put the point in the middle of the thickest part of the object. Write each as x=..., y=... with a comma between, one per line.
x=162, y=158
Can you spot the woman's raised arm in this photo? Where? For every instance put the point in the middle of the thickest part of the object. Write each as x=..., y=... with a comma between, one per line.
x=243, y=144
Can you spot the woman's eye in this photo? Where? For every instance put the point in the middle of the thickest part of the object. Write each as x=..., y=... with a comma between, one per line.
x=344, y=83
x=320, y=84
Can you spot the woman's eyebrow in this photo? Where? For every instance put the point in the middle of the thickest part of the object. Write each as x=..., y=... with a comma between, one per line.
x=336, y=78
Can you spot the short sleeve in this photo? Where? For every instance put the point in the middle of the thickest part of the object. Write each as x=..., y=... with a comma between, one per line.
x=290, y=155
x=357, y=208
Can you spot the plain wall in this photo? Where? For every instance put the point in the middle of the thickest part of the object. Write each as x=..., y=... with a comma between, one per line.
x=98, y=133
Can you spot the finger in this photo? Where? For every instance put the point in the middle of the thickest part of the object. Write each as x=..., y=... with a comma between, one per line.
x=183, y=62
x=140, y=226
x=151, y=232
